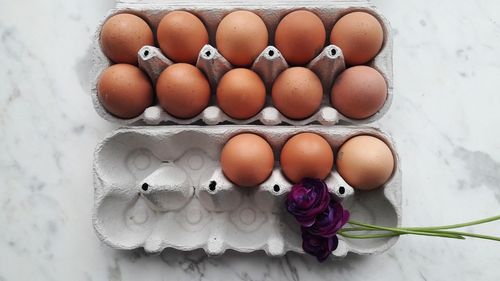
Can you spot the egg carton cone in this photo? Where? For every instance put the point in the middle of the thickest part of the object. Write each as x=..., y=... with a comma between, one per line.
x=268, y=65
x=160, y=187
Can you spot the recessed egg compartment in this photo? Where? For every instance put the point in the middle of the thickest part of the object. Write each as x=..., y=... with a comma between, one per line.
x=327, y=65
x=160, y=187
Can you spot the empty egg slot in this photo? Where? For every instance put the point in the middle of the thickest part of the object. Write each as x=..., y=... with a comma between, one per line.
x=124, y=219
x=372, y=207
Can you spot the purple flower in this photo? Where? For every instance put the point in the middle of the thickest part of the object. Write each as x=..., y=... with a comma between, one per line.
x=320, y=216
x=318, y=246
x=330, y=221
x=307, y=199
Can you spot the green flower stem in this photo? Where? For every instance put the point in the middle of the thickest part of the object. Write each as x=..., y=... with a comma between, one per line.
x=458, y=225
x=448, y=234
x=427, y=231
x=405, y=231
x=391, y=234
x=482, y=236
x=349, y=229
x=382, y=235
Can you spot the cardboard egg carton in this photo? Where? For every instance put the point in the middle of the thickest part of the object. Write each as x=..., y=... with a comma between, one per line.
x=162, y=187
x=327, y=65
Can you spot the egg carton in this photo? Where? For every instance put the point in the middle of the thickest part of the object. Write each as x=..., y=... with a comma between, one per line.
x=162, y=187
x=327, y=65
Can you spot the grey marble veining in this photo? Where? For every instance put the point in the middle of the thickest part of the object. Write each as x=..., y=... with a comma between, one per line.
x=444, y=120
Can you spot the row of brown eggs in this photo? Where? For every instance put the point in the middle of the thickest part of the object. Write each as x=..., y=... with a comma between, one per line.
x=365, y=162
x=242, y=35
x=183, y=91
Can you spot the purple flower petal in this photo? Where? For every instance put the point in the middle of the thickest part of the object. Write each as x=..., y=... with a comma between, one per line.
x=319, y=215
x=307, y=199
x=318, y=246
x=330, y=221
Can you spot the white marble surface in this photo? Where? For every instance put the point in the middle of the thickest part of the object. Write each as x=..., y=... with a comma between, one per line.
x=444, y=120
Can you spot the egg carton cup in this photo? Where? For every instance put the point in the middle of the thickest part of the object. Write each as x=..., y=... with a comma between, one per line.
x=269, y=64
x=162, y=187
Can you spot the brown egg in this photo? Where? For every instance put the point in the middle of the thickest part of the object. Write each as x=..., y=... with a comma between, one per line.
x=183, y=90
x=241, y=36
x=247, y=160
x=181, y=36
x=359, y=92
x=300, y=36
x=365, y=162
x=123, y=35
x=124, y=90
x=306, y=155
x=241, y=93
x=297, y=93
x=359, y=35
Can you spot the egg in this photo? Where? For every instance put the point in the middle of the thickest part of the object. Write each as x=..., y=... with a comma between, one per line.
x=241, y=93
x=365, y=162
x=124, y=90
x=183, y=90
x=306, y=155
x=297, y=93
x=359, y=92
x=181, y=35
x=240, y=37
x=359, y=35
x=247, y=160
x=123, y=35
x=300, y=36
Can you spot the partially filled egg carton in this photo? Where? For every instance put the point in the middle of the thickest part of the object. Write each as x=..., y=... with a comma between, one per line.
x=162, y=187
x=327, y=65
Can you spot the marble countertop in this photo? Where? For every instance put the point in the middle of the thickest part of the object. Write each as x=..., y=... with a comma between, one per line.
x=444, y=120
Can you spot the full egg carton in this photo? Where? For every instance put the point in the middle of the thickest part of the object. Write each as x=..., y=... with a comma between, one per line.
x=162, y=187
x=327, y=65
